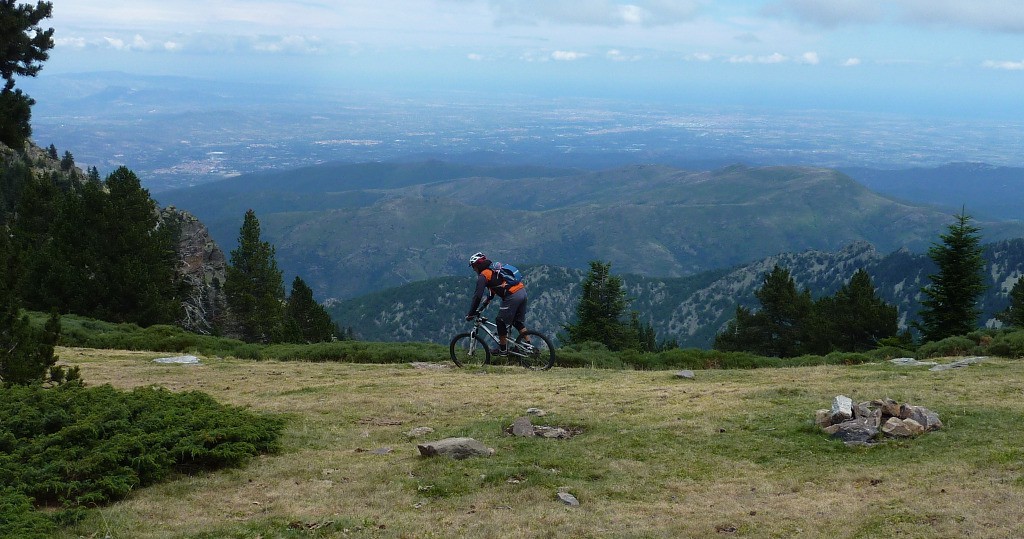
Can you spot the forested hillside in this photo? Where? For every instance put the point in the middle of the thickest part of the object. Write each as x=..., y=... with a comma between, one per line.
x=690, y=310
x=355, y=229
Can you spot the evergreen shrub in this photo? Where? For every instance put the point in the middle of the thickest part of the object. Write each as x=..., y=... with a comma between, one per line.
x=73, y=447
x=885, y=353
x=1007, y=344
x=950, y=346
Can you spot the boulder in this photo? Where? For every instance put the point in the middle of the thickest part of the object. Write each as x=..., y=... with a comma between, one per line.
x=923, y=416
x=959, y=364
x=523, y=427
x=842, y=409
x=567, y=498
x=902, y=428
x=456, y=448
x=180, y=360
x=854, y=431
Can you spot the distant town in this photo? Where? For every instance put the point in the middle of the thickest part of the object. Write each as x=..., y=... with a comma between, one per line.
x=180, y=133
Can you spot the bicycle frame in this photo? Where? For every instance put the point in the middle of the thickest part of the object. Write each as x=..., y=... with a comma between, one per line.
x=482, y=323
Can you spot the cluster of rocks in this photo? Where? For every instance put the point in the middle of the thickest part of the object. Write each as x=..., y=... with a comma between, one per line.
x=461, y=448
x=464, y=448
x=866, y=422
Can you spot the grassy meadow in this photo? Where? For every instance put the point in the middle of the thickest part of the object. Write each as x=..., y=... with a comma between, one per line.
x=731, y=453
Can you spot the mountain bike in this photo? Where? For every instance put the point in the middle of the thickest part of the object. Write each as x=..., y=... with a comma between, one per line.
x=533, y=350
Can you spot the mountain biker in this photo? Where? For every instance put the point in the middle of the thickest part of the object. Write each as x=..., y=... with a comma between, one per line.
x=513, y=300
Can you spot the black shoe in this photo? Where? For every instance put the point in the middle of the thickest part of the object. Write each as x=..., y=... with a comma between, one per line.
x=499, y=351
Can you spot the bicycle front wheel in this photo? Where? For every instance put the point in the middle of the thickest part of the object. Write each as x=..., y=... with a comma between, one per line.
x=468, y=350
x=537, y=354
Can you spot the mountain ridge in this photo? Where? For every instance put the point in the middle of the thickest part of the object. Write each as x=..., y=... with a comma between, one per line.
x=690, y=310
x=355, y=229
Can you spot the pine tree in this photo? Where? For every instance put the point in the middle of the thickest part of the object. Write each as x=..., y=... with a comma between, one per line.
x=26, y=353
x=950, y=306
x=309, y=320
x=254, y=287
x=1013, y=316
x=97, y=251
x=599, y=313
x=786, y=311
x=25, y=46
x=139, y=255
x=855, y=319
x=781, y=328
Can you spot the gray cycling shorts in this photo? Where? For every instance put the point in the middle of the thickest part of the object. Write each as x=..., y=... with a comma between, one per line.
x=512, y=312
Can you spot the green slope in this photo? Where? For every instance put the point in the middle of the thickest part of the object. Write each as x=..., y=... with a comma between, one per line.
x=350, y=230
x=690, y=310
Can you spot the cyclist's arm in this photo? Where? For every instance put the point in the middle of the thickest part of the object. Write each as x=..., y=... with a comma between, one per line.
x=481, y=286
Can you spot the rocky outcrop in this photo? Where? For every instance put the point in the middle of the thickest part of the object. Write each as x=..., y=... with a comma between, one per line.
x=201, y=267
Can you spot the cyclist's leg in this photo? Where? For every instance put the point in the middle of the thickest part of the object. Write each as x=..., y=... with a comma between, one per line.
x=519, y=317
x=503, y=322
x=514, y=312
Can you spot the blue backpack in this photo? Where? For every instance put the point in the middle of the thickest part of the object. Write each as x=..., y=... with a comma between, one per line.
x=510, y=274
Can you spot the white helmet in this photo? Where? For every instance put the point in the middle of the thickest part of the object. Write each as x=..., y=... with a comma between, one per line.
x=477, y=256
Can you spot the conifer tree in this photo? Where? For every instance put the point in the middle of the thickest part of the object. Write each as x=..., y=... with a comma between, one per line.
x=600, y=311
x=950, y=306
x=26, y=353
x=855, y=319
x=25, y=46
x=138, y=253
x=254, y=287
x=781, y=328
x=308, y=321
x=1013, y=316
x=67, y=162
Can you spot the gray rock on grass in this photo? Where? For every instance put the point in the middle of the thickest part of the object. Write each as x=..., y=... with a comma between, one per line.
x=456, y=448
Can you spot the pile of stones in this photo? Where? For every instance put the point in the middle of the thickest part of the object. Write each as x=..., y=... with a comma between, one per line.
x=868, y=422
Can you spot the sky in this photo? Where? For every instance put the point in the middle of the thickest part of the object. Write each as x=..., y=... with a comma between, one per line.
x=946, y=58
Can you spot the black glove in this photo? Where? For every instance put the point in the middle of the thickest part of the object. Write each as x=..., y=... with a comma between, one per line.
x=470, y=316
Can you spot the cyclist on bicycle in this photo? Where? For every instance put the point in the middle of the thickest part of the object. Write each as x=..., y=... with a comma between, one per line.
x=513, y=300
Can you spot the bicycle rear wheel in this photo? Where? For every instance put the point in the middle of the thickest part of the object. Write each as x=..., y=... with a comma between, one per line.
x=468, y=350
x=539, y=354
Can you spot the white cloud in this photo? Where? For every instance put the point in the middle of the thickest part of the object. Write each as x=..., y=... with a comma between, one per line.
x=610, y=13
x=567, y=56
x=851, y=62
x=475, y=57
x=1004, y=65
x=776, y=58
x=700, y=57
x=810, y=58
x=288, y=44
x=115, y=43
x=73, y=42
x=139, y=43
x=616, y=55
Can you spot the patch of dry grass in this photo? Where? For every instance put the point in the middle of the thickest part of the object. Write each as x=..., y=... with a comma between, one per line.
x=731, y=453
